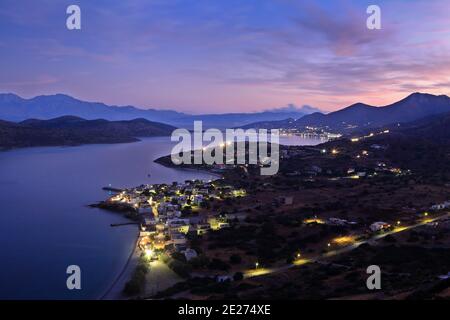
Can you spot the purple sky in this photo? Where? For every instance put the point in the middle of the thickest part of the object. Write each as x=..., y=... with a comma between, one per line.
x=208, y=56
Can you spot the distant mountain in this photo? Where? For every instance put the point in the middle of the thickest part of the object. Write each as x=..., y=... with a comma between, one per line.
x=15, y=108
x=70, y=130
x=232, y=120
x=358, y=116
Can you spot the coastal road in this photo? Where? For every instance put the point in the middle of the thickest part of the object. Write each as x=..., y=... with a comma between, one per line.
x=266, y=271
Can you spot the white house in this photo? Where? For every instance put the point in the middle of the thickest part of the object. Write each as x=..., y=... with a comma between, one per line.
x=377, y=226
x=189, y=254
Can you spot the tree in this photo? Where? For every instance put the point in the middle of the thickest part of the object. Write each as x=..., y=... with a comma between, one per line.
x=235, y=259
x=238, y=276
x=217, y=264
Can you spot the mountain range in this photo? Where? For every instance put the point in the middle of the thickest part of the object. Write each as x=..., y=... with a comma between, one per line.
x=70, y=130
x=15, y=108
x=359, y=116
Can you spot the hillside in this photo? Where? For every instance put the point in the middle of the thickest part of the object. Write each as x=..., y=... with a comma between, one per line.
x=358, y=116
x=70, y=130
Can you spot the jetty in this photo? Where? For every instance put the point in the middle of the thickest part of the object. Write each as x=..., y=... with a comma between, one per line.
x=112, y=189
x=123, y=224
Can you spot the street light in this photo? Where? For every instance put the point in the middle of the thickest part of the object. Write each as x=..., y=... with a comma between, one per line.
x=298, y=255
x=426, y=214
x=256, y=265
x=398, y=222
x=149, y=253
x=329, y=244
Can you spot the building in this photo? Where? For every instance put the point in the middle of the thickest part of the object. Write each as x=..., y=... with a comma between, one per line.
x=378, y=226
x=224, y=278
x=190, y=254
x=441, y=206
x=286, y=200
x=177, y=238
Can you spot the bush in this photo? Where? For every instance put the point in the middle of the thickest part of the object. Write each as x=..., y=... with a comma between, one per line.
x=137, y=282
x=238, y=276
x=217, y=264
x=199, y=262
x=180, y=268
x=235, y=259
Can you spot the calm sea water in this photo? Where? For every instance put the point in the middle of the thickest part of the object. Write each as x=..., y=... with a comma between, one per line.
x=45, y=225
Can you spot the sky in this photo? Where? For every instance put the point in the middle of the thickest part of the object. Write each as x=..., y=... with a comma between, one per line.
x=215, y=56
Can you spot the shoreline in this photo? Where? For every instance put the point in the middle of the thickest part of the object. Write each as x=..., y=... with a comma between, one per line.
x=114, y=292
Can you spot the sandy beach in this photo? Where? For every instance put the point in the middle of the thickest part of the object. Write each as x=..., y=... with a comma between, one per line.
x=115, y=290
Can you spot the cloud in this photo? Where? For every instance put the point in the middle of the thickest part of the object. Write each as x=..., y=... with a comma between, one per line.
x=293, y=108
x=230, y=54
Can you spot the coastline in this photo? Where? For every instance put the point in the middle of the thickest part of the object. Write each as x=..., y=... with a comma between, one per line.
x=114, y=292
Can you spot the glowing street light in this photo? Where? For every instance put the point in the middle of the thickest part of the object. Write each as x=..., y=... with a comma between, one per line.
x=298, y=255
x=329, y=244
x=148, y=253
x=426, y=214
x=256, y=265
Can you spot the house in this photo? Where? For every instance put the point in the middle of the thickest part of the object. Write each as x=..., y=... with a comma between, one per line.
x=178, y=225
x=239, y=216
x=217, y=223
x=441, y=206
x=144, y=234
x=224, y=278
x=145, y=210
x=287, y=201
x=178, y=238
x=361, y=174
x=378, y=226
x=444, y=276
x=159, y=242
x=337, y=222
x=203, y=228
x=148, y=222
x=150, y=229
x=189, y=254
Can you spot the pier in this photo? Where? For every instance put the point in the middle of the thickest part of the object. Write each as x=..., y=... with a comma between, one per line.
x=123, y=224
x=112, y=189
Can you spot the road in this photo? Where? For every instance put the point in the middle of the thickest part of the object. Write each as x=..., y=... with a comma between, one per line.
x=265, y=271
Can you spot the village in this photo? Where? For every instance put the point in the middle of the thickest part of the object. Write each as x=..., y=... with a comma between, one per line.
x=324, y=202
x=169, y=213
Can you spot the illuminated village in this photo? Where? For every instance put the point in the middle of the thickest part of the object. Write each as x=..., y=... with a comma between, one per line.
x=168, y=213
